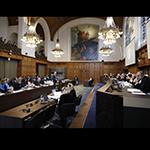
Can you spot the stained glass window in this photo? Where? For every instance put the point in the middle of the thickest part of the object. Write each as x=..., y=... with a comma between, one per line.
x=129, y=30
x=127, y=34
x=143, y=22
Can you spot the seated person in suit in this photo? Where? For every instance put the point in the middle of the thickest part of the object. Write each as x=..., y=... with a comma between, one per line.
x=105, y=78
x=15, y=83
x=76, y=80
x=23, y=82
x=4, y=87
x=42, y=80
x=72, y=90
x=68, y=94
x=142, y=82
x=53, y=78
x=91, y=82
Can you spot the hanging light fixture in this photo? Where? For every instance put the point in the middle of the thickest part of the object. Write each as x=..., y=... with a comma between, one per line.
x=31, y=38
x=57, y=52
x=106, y=51
x=109, y=33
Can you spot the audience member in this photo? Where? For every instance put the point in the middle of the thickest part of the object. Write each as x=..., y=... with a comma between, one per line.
x=91, y=82
x=4, y=87
x=76, y=80
x=142, y=82
x=68, y=94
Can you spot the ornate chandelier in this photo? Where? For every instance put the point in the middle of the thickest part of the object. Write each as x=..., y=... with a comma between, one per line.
x=57, y=52
x=109, y=33
x=31, y=38
x=105, y=51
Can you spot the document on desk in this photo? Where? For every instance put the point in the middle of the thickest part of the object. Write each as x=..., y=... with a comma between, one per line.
x=18, y=91
x=2, y=94
x=135, y=91
x=56, y=95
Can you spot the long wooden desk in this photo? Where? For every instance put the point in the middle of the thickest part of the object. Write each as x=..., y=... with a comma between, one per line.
x=129, y=100
x=116, y=109
x=135, y=110
x=11, y=100
x=18, y=117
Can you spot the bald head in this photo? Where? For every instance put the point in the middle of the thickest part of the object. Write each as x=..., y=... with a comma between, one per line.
x=140, y=74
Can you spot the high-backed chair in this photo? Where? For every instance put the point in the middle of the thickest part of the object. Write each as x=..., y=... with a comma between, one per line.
x=66, y=110
x=73, y=94
x=67, y=98
x=78, y=100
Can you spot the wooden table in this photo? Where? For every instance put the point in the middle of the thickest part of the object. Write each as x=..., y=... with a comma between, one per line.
x=11, y=100
x=17, y=116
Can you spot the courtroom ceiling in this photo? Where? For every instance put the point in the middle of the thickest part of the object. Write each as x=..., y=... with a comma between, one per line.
x=55, y=23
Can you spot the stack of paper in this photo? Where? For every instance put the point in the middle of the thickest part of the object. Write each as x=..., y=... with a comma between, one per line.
x=18, y=91
x=135, y=91
x=2, y=94
x=56, y=95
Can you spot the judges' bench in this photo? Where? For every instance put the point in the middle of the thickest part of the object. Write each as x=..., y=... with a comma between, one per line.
x=131, y=110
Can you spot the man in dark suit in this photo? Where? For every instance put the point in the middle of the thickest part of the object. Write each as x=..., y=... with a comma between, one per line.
x=91, y=82
x=143, y=82
x=4, y=87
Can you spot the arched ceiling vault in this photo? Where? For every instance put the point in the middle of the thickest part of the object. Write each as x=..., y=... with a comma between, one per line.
x=55, y=23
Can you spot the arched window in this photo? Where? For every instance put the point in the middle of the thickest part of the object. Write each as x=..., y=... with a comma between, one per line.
x=127, y=35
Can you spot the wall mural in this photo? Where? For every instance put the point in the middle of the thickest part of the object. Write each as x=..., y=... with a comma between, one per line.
x=84, y=42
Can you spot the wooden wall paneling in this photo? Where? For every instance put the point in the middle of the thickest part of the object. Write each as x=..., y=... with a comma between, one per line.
x=28, y=66
x=68, y=70
x=97, y=72
x=84, y=70
x=81, y=75
x=19, y=68
x=46, y=70
x=92, y=70
x=101, y=69
x=88, y=71
x=133, y=69
x=143, y=63
x=106, y=68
